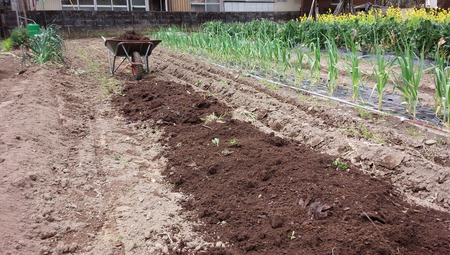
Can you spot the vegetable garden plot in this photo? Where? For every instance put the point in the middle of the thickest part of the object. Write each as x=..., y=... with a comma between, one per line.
x=259, y=194
x=307, y=51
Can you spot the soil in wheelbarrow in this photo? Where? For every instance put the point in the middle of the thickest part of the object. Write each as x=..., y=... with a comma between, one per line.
x=256, y=193
x=132, y=36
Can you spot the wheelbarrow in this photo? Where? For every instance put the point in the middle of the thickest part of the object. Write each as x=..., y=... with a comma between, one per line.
x=136, y=52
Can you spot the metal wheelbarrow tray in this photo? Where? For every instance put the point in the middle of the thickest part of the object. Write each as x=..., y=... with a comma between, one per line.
x=136, y=52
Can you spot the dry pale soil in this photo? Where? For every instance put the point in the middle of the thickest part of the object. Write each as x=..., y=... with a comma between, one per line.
x=197, y=159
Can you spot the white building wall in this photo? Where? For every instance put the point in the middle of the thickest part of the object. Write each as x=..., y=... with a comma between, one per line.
x=248, y=7
x=431, y=3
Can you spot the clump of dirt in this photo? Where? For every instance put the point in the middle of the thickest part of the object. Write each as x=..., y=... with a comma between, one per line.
x=132, y=36
x=259, y=194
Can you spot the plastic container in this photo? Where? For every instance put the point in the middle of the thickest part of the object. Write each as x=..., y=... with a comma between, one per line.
x=34, y=29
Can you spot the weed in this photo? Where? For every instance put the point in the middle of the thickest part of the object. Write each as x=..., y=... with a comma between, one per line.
x=233, y=142
x=364, y=114
x=212, y=117
x=79, y=71
x=6, y=45
x=339, y=165
x=270, y=85
x=215, y=141
x=412, y=132
x=223, y=82
x=250, y=115
x=198, y=83
x=168, y=186
x=117, y=157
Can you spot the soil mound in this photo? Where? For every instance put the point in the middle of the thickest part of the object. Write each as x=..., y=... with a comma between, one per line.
x=260, y=194
x=132, y=36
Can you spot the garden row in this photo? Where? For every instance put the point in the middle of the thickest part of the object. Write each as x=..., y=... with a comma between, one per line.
x=294, y=51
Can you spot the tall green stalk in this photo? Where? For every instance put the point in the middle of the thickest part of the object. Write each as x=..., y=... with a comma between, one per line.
x=382, y=71
x=411, y=77
x=353, y=69
x=315, y=63
x=442, y=84
x=332, y=60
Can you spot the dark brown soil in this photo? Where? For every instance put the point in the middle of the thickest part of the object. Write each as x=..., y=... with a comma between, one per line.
x=266, y=195
x=132, y=36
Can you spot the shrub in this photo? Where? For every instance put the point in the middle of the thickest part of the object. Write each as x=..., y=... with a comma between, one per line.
x=19, y=36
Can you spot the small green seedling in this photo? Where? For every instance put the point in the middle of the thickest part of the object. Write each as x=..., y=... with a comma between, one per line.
x=233, y=142
x=212, y=117
x=339, y=165
x=198, y=83
x=215, y=141
x=292, y=235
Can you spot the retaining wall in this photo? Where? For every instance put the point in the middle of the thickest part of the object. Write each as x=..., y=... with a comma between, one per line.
x=110, y=20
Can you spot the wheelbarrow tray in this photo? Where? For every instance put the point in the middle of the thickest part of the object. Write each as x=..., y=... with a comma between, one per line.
x=125, y=49
x=122, y=48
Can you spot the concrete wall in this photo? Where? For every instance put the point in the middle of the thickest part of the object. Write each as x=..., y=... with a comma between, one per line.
x=109, y=20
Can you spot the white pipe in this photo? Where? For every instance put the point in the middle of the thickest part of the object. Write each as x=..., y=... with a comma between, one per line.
x=441, y=131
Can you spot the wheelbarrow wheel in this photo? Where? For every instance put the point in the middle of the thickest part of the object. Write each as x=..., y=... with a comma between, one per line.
x=137, y=66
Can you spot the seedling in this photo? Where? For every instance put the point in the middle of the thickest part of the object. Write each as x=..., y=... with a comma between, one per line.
x=292, y=235
x=233, y=142
x=215, y=141
x=212, y=117
x=198, y=83
x=339, y=165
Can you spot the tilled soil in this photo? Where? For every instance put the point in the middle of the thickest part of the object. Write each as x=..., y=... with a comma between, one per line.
x=82, y=174
x=262, y=194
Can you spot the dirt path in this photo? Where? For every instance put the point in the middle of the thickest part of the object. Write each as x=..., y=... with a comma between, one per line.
x=77, y=177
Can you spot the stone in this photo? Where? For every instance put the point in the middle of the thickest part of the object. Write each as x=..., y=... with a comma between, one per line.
x=429, y=142
x=315, y=141
x=391, y=161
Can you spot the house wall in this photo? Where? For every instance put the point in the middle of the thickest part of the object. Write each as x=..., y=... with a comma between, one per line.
x=325, y=5
x=444, y=4
x=49, y=5
x=287, y=5
x=248, y=6
x=179, y=5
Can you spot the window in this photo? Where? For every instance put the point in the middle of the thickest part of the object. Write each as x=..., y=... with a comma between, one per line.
x=205, y=5
x=104, y=5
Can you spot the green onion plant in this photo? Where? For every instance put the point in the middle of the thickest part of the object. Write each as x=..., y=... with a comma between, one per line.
x=332, y=60
x=442, y=84
x=411, y=77
x=382, y=71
